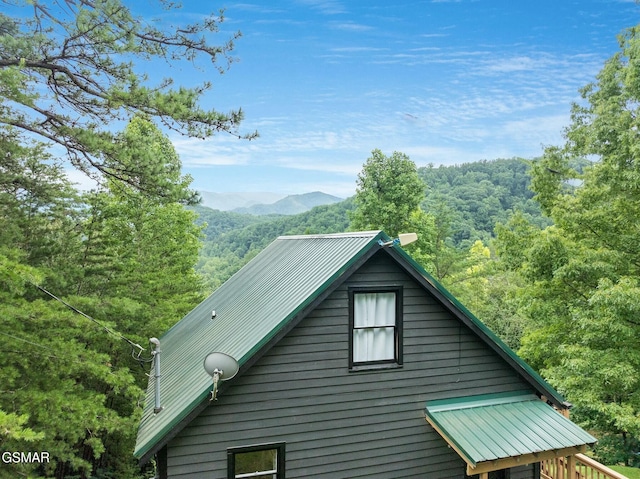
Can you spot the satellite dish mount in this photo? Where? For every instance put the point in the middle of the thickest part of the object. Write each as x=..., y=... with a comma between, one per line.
x=221, y=367
x=402, y=240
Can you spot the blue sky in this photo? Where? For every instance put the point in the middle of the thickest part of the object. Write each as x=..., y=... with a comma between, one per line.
x=446, y=82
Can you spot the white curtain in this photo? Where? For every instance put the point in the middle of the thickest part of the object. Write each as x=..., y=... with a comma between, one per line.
x=374, y=321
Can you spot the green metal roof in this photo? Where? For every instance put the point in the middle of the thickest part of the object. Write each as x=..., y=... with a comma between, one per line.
x=500, y=426
x=258, y=304
x=251, y=308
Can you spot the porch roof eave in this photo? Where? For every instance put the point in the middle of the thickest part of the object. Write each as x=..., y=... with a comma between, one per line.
x=498, y=431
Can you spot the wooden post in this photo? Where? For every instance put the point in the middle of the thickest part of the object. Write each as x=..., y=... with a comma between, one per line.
x=571, y=467
x=484, y=475
x=560, y=468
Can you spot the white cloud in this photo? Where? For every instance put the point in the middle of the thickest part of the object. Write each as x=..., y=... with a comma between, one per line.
x=326, y=7
x=80, y=180
x=350, y=26
x=357, y=49
x=200, y=153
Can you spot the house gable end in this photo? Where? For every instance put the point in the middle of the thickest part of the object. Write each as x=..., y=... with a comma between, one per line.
x=351, y=272
x=338, y=422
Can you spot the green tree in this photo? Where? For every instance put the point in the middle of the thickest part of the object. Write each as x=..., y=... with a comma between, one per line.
x=388, y=191
x=36, y=201
x=388, y=196
x=446, y=258
x=69, y=72
x=583, y=273
x=118, y=255
x=53, y=377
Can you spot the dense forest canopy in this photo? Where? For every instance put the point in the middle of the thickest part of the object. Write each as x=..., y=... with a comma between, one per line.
x=480, y=194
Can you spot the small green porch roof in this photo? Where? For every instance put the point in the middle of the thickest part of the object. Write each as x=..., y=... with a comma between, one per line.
x=494, y=427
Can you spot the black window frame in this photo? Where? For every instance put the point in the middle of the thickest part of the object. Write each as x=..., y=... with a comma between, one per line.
x=398, y=329
x=280, y=457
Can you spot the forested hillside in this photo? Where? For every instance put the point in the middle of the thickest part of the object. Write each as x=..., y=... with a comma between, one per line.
x=479, y=195
x=232, y=239
x=472, y=197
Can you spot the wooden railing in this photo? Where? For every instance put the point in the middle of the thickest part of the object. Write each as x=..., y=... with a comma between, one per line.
x=583, y=467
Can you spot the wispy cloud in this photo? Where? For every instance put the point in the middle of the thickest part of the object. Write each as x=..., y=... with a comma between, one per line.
x=350, y=26
x=426, y=49
x=200, y=153
x=357, y=49
x=326, y=7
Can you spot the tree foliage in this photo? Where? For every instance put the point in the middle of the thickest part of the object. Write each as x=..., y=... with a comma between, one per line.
x=70, y=385
x=478, y=195
x=388, y=196
x=388, y=191
x=70, y=74
x=582, y=274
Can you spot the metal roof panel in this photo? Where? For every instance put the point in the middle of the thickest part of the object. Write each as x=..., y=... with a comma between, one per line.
x=499, y=426
x=251, y=307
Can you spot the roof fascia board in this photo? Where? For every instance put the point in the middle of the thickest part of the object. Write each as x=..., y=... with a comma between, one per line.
x=469, y=319
x=523, y=460
x=285, y=326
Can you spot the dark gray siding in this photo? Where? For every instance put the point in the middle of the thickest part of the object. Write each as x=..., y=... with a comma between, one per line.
x=342, y=424
x=523, y=472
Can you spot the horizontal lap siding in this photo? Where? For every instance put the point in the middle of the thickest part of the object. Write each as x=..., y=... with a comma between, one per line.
x=341, y=424
x=523, y=472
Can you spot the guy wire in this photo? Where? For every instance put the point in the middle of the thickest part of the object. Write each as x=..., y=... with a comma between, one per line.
x=105, y=328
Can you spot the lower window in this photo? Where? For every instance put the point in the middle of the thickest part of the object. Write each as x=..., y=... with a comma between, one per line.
x=262, y=461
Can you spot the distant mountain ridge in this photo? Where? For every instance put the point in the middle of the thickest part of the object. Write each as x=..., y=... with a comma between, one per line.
x=265, y=203
x=233, y=200
x=290, y=205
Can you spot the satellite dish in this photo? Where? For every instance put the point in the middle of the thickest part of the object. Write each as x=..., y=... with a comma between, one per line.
x=406, y=238
x=221, y=367
x=225, y=365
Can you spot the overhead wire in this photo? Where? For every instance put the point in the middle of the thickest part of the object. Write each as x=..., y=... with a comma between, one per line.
x=47, y=348
x=24, y=340
x=105, y=328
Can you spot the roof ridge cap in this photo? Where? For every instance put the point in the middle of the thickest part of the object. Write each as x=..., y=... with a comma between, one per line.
x=351, y=234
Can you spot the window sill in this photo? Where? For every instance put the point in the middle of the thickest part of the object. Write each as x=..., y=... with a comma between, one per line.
x=374, y=367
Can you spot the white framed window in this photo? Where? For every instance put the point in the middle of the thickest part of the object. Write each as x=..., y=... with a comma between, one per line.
x=261, y=461
x=375, y=318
